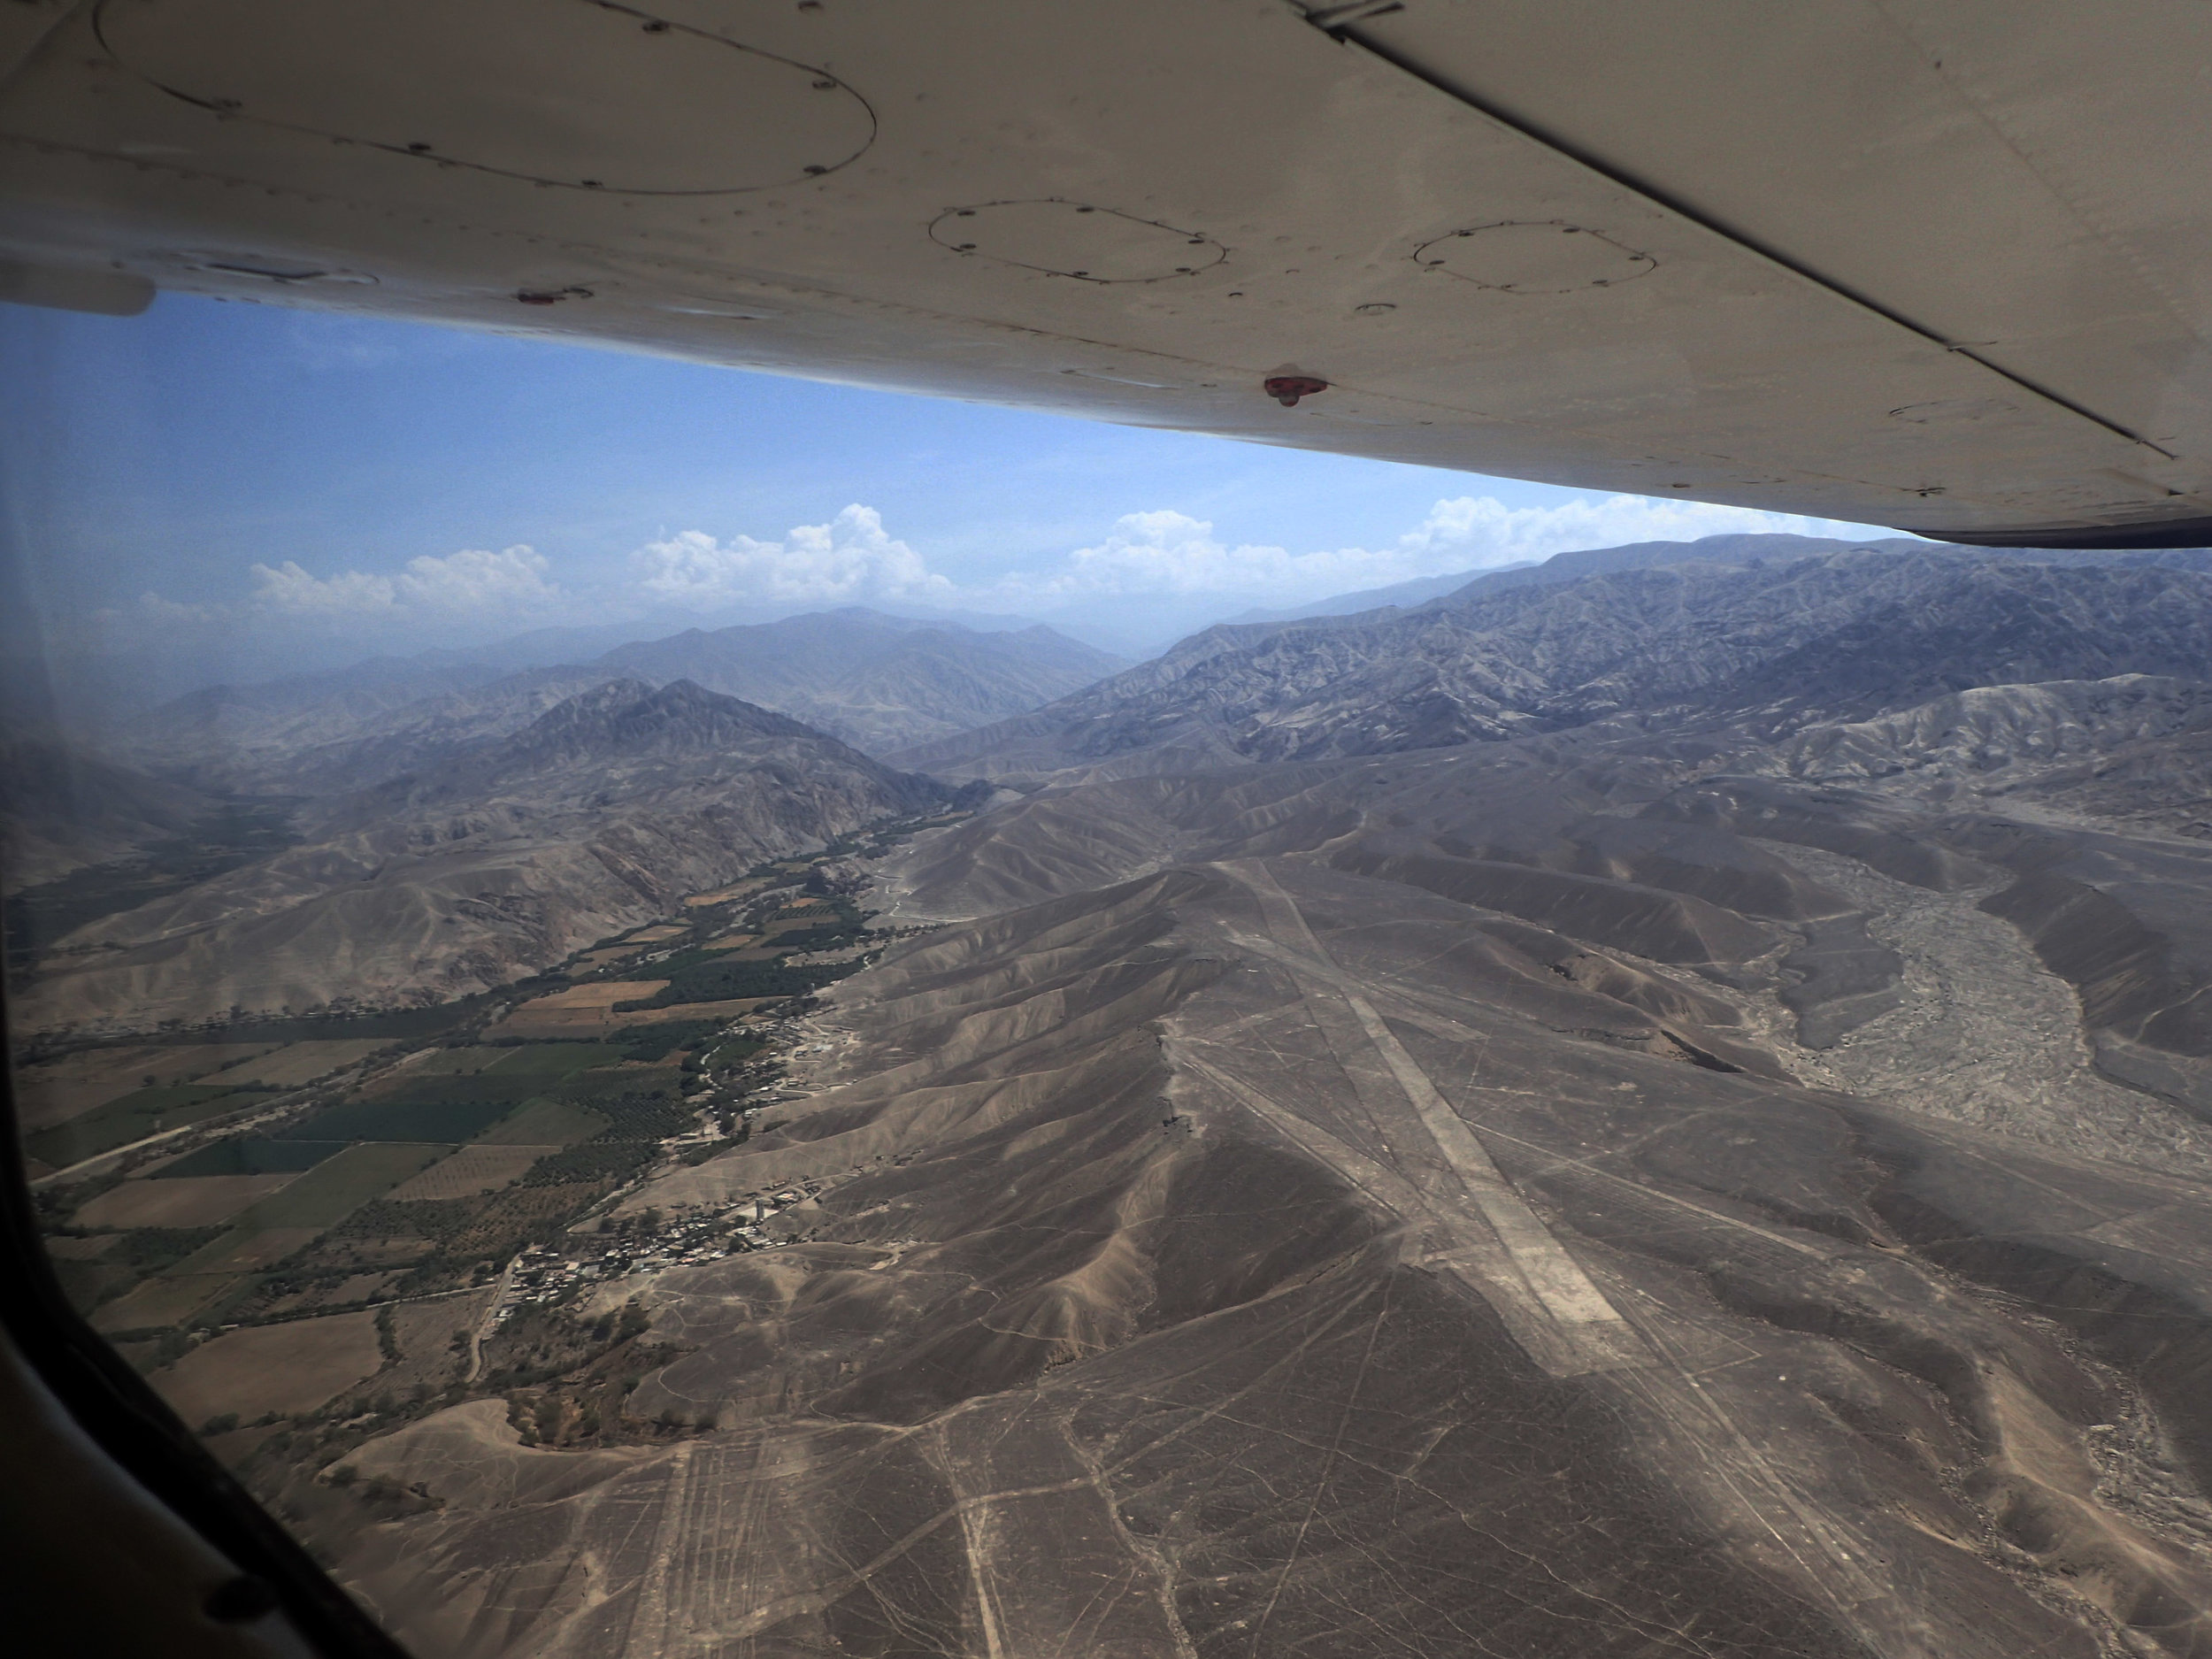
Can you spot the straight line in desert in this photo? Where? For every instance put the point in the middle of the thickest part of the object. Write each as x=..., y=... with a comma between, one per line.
x=1602, y=1338
x=1470, y=1250
x=649, y=1633
x=1580, y=1312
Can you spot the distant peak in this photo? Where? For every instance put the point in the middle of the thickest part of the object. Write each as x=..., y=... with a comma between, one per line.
x=631, y=713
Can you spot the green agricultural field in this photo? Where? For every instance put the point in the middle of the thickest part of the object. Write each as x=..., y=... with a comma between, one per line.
x=297, y=1065
x=130, y=1258
x=601, y=1162
x=545, y=1123
x=640, y=1108
x=462, y=1059
x=244, y=1250
x=463, y=1231
x=450, y=1121
x=659, y=1040
x=437, y=1220
x=521, y=1216
x=484, y=1085
x=156, y=1303
x=336, y=1188
x=556, y=1059
x=402, y=1025
x=249, y=1155
x=598, y=1087
x=87, y=1283
x=826, y=938
x=271, y=1228
x=157, y=1249
x=723, y=981
x=133, y=1117
x=644, y=1116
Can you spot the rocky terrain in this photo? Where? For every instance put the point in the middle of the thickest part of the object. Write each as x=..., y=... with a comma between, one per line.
x=1580, y=562
x=1766, y=642
x=1662, y=1113
x=874, y=681
x=878, y=682
x=596, y=817
x=1546, y=1192
x=1852, y=631
x=61, y=809
x=229, y=737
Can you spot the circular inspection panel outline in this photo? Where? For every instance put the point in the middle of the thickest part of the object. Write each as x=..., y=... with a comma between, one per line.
x=968, y=249
x=824, y=80
x=1568, y=228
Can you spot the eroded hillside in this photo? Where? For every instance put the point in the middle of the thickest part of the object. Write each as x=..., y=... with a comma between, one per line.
x=1843, y=633
x=1666, y=1115
x=1561, y=1227
x=598, y=816
x=871, y=680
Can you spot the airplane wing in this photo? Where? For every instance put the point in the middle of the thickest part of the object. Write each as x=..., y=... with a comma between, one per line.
x=1936, y=264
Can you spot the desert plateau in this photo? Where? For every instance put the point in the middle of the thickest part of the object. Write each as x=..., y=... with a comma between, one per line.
x=1654, y=1105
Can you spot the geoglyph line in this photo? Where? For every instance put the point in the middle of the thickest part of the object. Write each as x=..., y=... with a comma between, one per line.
x=1472, y=1252
x=649, y=1633
x=1588, y=1324
x=1829, y=1560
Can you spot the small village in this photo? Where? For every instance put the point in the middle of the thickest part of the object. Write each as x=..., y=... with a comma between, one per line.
x=501, y=1163
x=552, y=1274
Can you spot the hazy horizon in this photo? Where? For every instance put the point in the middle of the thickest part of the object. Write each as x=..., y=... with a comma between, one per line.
x=223, y=491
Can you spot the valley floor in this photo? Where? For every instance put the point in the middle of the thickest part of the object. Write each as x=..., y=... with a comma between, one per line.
x=1984, y=1034
x=1520, y=1200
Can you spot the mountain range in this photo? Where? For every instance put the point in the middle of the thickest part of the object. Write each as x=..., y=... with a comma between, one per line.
x=1660, y=1109
x=1832, y=634
x=598, y=816
x=878, y=682
x=1665, y=1112
x=873, y=680
x=61, y=809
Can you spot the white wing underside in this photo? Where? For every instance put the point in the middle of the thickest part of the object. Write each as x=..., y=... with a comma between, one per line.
x=1945, y=265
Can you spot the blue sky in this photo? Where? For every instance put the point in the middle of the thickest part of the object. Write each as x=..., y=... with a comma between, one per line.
x=279, y=487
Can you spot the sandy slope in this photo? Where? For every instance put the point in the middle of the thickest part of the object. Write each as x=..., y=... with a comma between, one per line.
x=1247, y=1245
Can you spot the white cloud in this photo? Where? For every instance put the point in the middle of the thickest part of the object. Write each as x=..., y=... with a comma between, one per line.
x=850, y=558
x=1171, y=553
x=1161, y=568
x=154, y=612
x=1493, y=533
x=472, y=579
x=469, y=583
x=286, y=590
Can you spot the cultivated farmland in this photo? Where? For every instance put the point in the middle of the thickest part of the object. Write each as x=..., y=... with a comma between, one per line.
x=205, y=1201
x=472, y=1170
x=300, y=1063
x=290, y=1367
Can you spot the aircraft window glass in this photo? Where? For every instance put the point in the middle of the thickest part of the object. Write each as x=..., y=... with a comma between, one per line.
x=343, y=1062
x=401, y=945
x=646, y=1080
